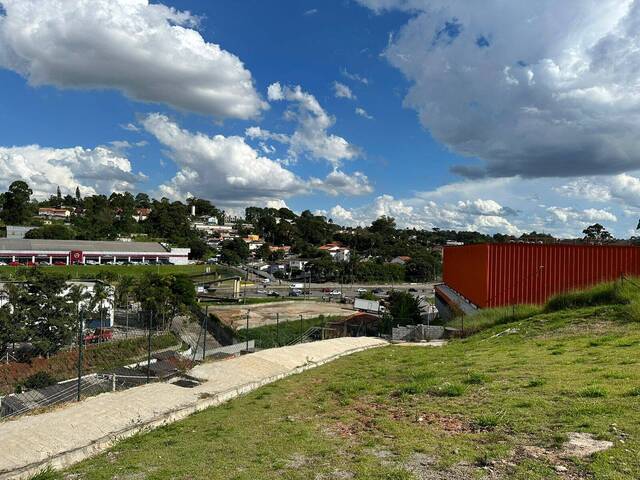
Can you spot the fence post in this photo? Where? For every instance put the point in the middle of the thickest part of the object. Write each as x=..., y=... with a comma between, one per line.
x=80, y=343
x=113, y=382
x=278, y=329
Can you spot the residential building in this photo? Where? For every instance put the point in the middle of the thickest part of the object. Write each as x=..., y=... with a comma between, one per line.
x=50, y=212
x=338, y=252
x=400, y=260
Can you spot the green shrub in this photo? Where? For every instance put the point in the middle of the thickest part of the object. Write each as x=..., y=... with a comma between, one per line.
x=536, y=382
x=37, y=380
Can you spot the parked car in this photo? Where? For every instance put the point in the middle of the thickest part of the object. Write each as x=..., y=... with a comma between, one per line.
x=91, y=262
x=99, y=335
x=14, y=264
x=295, y=293
x=335, y=293
x=3, y=264
x=413, y=290
x=60, y=264
x=377, y=290
x=31, y=264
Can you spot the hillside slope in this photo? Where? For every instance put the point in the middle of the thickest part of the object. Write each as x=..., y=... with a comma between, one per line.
x=500, y=404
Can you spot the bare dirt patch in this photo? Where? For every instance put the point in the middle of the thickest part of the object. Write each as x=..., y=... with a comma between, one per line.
x=266, y=314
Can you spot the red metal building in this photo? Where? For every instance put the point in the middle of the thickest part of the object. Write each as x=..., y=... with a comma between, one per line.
x=494, y=275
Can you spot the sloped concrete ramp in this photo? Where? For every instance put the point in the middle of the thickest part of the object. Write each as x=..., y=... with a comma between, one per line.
x=68, y=435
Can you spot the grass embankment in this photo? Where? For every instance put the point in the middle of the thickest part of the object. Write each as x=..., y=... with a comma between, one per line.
x=93, y=271
x=96, y=358
x=270, y=336
x=501, y=402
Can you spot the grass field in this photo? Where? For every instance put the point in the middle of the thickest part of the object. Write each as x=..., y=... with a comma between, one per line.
x=91, y=271
x=498, y=404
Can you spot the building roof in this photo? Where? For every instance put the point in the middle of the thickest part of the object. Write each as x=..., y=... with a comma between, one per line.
x=24, y=245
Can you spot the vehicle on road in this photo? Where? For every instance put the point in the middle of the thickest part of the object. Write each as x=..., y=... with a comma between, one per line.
x=99, y=335
x=272, y=293
x=266, y=281
x=295, y=293
x=296, y=286
x=377, y=290
x=261, y=291
x=413, y=290
x=370, y=306
x=362, y=290
x=335, y=293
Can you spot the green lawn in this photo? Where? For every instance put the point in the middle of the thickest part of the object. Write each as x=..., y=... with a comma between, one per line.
x=90, y=271
x=501, y=401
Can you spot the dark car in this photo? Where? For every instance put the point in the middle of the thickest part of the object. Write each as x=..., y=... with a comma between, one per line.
x=273, y=293
x=413, y=290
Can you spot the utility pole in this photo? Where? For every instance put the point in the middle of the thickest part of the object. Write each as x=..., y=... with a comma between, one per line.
x=150, y=314
x=80, y=342
x=247, y=332
x=126, y=332
x=277, y=329
x=300, y=328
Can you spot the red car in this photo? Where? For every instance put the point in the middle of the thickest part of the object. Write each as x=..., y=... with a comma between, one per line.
x=60, y=264
x=31, y=264
x=15, y=264
x=99, y=335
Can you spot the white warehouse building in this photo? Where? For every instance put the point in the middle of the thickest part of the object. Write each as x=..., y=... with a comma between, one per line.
x=69, y=252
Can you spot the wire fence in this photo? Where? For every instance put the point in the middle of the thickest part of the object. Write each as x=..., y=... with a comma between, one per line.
x=104, y=358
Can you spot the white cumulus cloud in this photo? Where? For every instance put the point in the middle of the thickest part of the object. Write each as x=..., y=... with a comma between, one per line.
x=95, y=170
x=531, y=88
x=340, y=90
x=148, y=51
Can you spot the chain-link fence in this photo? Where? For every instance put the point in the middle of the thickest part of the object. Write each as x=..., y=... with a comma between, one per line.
x=98, y=359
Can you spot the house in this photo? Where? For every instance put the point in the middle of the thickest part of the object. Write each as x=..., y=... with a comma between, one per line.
x=284, y=248
x=49, y=212
x=357, y=325
x=141, y=214
x=297, y=264
x=400, y=260
x=338, y=252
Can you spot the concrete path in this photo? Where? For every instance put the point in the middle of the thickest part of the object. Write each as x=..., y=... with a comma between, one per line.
x=70, y=434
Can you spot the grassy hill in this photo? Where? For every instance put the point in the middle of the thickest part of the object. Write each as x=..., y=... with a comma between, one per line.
x=498, y=404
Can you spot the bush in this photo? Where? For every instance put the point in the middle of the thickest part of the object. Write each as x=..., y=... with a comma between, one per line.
x=36, y=380
x=447, y=390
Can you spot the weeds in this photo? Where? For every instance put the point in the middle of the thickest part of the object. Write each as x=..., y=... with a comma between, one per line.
x=593, y=391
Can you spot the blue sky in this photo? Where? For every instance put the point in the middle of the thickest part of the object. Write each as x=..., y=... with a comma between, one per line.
x=352, y=108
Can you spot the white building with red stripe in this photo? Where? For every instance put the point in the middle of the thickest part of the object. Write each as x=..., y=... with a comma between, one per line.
x=69, y=252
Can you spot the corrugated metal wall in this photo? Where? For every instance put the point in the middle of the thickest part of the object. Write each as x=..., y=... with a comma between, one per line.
x=494, y=275
x=465, y=269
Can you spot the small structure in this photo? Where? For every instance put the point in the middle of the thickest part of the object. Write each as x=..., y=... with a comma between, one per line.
x=18, y=231
x=360, y=324
x=338, y=252
x=50, y=212
x=400, y=260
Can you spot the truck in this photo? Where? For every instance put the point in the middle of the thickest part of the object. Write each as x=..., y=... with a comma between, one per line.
x=370, y=306
x=296, y=286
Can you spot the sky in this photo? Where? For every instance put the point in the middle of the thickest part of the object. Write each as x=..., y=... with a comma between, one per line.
x=491, y=116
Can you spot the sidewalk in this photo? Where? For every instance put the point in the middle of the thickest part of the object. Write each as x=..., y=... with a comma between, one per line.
x=70, y=434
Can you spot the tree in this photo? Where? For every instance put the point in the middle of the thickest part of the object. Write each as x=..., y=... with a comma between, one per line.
x=383, y=225
x=596, y=233
x=235, y=251
x=124, y=289
x=405, y=308
x=17, y=208
x=78, y=197
x=51, y=232
x=100, y=296
x=58, y=193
